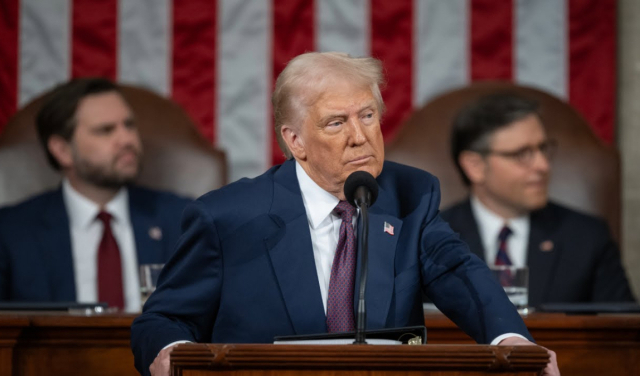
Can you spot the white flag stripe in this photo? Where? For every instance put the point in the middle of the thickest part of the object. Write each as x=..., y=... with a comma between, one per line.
x=244, y=79
x=244, y=63
x=541, y=45
x=45, y=52
x=143, y=44
x=441, y=46
x=343, y=26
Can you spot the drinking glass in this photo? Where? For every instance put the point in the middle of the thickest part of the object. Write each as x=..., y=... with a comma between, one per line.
x=148, y=279
x=515, y=281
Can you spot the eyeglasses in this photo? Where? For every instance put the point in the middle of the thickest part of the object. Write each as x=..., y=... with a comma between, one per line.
x=525, y=155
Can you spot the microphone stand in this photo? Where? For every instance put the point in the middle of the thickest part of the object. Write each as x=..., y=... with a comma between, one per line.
x=363, y=247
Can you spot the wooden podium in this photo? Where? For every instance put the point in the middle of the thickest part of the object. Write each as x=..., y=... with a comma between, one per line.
x=61, y=344
x=310, y=360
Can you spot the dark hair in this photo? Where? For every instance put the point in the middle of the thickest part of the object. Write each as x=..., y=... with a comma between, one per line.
x=57, y=114
x=476, y=123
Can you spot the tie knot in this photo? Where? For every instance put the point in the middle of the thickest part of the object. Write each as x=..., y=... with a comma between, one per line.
x=504, y=233
x=345, y=211
x=104, y=217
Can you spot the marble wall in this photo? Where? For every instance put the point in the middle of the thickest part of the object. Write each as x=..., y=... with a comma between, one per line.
x=628, y=133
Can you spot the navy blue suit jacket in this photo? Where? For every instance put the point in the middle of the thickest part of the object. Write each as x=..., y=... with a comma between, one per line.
x=35, y=242
x=244, y=270
x=571, y=256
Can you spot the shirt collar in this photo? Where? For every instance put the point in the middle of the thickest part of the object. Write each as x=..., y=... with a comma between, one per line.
x=82, y=211
x=318, y=203
x=490, y=224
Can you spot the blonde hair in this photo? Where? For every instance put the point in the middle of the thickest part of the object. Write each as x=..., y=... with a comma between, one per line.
x=301, y=83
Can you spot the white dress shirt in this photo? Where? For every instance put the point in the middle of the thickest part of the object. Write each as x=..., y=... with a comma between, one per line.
x=86, y=232
x=489, y=226
x=324, y=226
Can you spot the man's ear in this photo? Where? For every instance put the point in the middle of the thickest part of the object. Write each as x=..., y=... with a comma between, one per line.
x=61, y=151
x=473, y=165
x=295, y=143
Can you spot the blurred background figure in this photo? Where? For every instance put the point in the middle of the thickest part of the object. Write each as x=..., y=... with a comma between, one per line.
x=84, y=240
x=502, y=151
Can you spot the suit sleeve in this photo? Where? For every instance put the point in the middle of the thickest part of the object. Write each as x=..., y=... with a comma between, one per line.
x=460, y=284
x=185, y=303
x=610, y=282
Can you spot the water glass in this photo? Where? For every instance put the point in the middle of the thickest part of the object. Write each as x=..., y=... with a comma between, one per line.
x=148, y=279
x=515, y=281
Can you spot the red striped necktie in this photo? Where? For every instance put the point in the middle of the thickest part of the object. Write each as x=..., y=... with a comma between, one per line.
x=502, y=257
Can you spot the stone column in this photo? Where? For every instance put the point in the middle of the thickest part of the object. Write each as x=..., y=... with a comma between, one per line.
x=628, y=134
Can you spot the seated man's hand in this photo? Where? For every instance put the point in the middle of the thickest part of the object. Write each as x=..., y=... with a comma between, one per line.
x=160, y=365
x=552, y=367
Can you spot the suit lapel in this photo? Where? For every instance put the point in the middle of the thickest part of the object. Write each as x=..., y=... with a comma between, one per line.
x=54, y=241
x=382, y=251
x=146, y=228
x=469, y=230
x=542, y=255
x=291, y=254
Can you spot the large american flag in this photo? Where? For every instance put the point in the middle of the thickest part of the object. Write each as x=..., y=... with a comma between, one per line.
x=219, y=58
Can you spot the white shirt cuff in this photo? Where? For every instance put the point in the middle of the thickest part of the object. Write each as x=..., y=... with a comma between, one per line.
x=499, y=338
x=177, y=343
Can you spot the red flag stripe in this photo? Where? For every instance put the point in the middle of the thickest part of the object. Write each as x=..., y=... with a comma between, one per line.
x=194, y=61
x=293, y=34
x=94, y=38
x=9, y=25
x=592, y=63
x=589, y=52
x=391, y=42
x=491, y=40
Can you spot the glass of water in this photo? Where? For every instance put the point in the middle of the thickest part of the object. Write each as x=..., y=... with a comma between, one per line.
x=515, y=281
x=148, y=279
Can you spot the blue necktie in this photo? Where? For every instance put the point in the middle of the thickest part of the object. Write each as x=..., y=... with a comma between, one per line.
x=502, y=257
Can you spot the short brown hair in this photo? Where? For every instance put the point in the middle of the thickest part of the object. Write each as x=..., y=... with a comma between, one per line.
x=474, y=125
x=57, y=115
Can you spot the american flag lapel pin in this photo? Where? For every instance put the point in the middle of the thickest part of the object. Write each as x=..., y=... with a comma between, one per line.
x=388, y=228
x=546, y=246
x=155, y=233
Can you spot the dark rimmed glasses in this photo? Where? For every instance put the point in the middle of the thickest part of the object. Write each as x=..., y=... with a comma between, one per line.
x=526, y=155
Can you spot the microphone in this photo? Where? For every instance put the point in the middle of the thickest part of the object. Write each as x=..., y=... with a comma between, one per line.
x=361, y=188
x=361, y=191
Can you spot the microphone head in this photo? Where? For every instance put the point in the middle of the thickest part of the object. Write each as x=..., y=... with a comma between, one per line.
x=360, y=179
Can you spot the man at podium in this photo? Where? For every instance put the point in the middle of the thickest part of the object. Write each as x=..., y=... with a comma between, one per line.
x=275, y=255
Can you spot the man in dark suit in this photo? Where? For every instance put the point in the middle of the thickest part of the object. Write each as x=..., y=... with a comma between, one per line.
x=84, y=241
x=275, y=255
x=502, y=152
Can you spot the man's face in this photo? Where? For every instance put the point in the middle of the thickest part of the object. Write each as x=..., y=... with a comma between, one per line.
x=509, y=184
x=339, y=135
x=106, y=149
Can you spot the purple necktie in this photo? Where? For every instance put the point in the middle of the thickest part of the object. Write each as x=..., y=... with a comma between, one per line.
x=340, y=297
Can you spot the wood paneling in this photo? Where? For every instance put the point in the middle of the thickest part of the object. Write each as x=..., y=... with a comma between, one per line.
x=251, y=360
x=58, y=344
